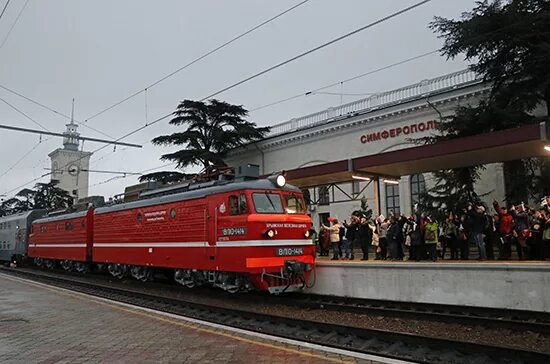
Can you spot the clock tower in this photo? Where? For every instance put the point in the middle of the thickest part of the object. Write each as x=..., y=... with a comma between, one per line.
x=69, y=165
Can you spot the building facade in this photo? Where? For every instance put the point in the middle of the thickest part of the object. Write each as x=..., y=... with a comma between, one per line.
x=384, y=122
x=69, y=166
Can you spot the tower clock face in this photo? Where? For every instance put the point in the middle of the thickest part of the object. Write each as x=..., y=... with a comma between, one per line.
x=73, y=170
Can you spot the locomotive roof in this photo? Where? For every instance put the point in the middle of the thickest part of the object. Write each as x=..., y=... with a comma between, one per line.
x=260, y=184
x=61, y=217
x=22, y=215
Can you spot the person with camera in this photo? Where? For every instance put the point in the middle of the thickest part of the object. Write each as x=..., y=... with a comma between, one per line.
x=477, y=226
x=335, y=238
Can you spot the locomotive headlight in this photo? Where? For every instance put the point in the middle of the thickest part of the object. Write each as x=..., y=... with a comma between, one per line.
x=270, y=233
x=281, y=180
x=306, y=234
x=278, y=180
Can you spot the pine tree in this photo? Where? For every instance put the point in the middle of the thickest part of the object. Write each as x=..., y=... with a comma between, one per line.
x=510, y=45
x=214, y=128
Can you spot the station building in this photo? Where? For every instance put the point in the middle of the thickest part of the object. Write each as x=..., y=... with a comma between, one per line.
x=380, y=123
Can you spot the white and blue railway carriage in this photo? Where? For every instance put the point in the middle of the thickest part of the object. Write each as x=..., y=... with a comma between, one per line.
x=14, y=233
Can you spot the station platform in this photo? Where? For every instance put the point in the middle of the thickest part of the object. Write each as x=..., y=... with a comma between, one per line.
x=496, y=284
x=44, y=324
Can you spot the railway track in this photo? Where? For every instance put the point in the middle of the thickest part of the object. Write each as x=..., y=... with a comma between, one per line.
x=375, y=342
x=488, y=317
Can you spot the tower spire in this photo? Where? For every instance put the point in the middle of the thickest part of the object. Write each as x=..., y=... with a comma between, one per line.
x=70, y=140
x=72, y=113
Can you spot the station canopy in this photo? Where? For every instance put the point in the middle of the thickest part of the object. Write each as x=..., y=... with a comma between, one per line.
x=498, y=146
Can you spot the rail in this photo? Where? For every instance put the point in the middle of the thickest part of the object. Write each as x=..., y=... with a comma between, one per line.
x=420, y=89
x=386, y=344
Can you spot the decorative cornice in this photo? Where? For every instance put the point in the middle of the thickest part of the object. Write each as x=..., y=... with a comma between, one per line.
x=342, y=124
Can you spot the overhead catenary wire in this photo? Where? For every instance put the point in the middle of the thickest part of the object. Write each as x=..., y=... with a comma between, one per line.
x=212, y=51
x=142, y=172
x=52, y=110
x=4, y=9
x=269, y=69
x=315, y=49
x=13, y=25
x=326, y=44
x=380, y=69
x=22, y=158
x=25, y=115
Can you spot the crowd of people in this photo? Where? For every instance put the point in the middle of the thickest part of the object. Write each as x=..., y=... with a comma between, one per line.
x=520, y=229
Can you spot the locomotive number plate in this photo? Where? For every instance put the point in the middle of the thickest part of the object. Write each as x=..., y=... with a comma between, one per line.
x=280, y=252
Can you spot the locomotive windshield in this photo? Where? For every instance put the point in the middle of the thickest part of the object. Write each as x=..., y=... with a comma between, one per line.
x=294, y=204
x=267, y=203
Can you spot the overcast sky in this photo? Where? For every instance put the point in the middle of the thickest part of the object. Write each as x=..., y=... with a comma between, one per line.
x=101, y=51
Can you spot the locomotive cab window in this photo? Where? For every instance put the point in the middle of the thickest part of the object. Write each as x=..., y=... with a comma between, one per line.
x=238, y=204
x=294, y=204
x=233, y=205
x=243, y=204
x=267, y=203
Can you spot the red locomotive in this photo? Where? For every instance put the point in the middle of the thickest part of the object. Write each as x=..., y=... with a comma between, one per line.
x=233, y=235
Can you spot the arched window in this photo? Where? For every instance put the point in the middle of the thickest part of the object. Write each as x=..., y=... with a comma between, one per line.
x=418, y=186
x=392, y=200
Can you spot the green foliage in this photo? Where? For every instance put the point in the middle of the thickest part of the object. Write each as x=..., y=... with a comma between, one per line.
x=50, y=197
x=213, y=129
x=452, y=191
x=44, y=196
x=167, y=177
x=509, y=41
x=510, y=45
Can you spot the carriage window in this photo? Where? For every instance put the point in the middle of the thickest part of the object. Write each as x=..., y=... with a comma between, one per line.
x=267, y=203
x=294, y=204
x=68, y=226
x=43, y=228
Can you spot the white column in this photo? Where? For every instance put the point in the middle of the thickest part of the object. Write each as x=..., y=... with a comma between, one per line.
x=405, y=195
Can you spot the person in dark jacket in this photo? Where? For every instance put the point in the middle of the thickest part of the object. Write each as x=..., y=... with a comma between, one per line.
x=462, y=238
x=393, y=237
x=365, y=236
x=352, y=234
x=417, y=249
x=521, y=227
x=449, y=237
x=477, y=227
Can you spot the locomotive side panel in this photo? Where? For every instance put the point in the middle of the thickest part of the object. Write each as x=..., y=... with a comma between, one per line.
x=61, y=238
x=167, y=235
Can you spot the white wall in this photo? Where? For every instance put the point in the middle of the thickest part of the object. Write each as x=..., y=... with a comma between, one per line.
x=508, y=285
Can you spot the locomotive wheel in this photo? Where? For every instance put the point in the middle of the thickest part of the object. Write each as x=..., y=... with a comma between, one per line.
x=184, y=277
x=49, y=263
x=117, y=270
x=81, y=267
x=67, y=265
x=233, y=289
x=143, y=274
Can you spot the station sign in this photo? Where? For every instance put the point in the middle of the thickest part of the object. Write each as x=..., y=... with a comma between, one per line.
x=401, y=130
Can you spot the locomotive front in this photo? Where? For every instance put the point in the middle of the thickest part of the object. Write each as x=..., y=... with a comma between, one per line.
x=266, y=231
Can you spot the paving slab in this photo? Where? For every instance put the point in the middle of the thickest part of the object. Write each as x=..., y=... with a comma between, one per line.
x=43, y=324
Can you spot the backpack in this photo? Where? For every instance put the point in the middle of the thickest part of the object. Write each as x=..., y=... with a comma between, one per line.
x=429, y=235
